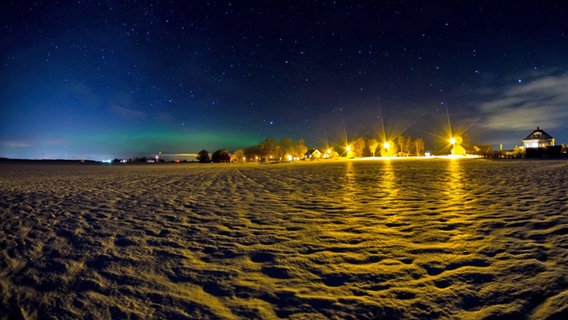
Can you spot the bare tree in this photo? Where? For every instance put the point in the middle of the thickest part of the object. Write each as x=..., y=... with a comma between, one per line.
x=238, y=155
x=419, y=146
x=253, y=153
x=400, y=141
x=373, y=144
x=409, y=146
x=358, y=146
x=390, y=151
x=301, y=148
x=286, y=147
x=269, y=149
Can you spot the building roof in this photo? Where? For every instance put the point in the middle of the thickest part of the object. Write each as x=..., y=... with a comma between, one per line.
x=312, y=151
x=538, y=135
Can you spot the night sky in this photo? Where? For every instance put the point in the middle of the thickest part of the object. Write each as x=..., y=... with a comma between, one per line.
x=106, y=79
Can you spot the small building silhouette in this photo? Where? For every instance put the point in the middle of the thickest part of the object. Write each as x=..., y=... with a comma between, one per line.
x=538, y=139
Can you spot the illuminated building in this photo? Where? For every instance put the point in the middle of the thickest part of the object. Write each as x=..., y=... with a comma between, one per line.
x=313, y=154
x=538, y=139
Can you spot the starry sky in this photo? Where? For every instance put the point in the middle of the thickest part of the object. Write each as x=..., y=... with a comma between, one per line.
x=105, y=79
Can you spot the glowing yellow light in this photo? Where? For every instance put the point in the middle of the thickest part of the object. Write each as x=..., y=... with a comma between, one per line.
x=348, y=148
x=328, y=151
x=386, y=145
x=289, y=158
x=453, y=140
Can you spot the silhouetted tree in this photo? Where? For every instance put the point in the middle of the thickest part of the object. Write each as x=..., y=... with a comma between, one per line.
x=203, y=156
x=286, y=148
x=268, y=149
x=221, y=155
x=252, y=153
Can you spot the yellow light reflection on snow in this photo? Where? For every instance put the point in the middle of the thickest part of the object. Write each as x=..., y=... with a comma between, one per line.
x=350, y=184
x=387, y=182
x=457, y=211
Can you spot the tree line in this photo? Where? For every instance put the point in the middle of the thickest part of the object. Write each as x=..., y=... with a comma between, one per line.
x=267, y=150
x=287, y=149
x=401, y=146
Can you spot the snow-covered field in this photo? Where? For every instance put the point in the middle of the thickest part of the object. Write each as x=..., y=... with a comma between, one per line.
x=401, y=239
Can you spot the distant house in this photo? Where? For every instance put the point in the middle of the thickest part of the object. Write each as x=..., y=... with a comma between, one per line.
x=539, y=144
x=312, y=154
x=538, y=139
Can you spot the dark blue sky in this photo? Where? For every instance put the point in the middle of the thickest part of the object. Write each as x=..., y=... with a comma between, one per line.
x=105, y=79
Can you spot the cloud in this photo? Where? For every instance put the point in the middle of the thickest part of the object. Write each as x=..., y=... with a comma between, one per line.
x=15, y=144
x=541, y=102
x=14, y=147
x=127, y=113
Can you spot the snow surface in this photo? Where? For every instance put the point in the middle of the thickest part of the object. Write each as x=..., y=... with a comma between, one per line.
x=401, y=239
